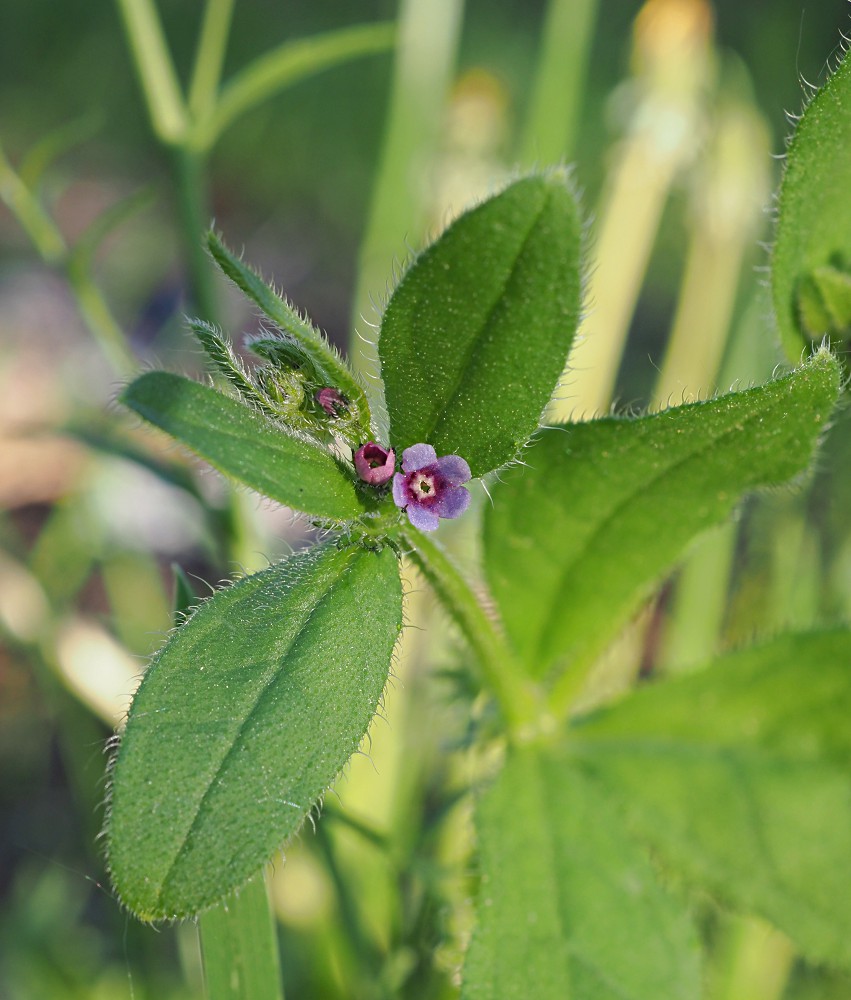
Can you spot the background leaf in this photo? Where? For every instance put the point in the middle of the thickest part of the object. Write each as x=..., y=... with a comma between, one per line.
x=738, y=776
x=477, y=332
x=574, y=542
x=814, y=210
x=569, y=908
x=242, y=721
x=245, y=446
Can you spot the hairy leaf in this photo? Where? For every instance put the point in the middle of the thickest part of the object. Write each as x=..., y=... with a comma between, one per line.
x=476, y=334
x=812, y=247
x=242, y=721
x=569, y=907
x=323, y=357
x=575, y=541
x=740, y=777
x=245, y=446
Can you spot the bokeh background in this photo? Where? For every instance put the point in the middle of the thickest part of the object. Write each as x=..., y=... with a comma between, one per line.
x=676, y=131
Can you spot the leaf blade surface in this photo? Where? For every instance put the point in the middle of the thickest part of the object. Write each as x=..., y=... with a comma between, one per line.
x=245, y=446
x=814, y=210
x=575, y=542
x=243, y=719
x=738, y=776
x=569, y=908
x=476, y=334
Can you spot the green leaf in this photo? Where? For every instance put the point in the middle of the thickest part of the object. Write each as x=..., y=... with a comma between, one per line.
x=245, y=446
x=222, y=356
x=242, y=721
x=477, y=332
x=575, y=542
x=824, y=303
x=569, y=907
x=287, y=65
x=739, y=776
x=322, y=356
x=814, y=210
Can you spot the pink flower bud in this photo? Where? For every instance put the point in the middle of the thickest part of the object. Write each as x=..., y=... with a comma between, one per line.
x=332, y=401
x=374, y=464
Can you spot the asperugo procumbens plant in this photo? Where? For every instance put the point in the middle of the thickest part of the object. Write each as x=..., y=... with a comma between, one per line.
x=735, y=776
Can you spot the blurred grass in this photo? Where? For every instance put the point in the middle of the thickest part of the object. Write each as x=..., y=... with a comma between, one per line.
x=293, y=180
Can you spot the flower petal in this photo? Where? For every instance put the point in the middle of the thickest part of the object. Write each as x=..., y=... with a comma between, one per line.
x=454, y=469
x=400, y=490
x=423, y=519
x=417, y=456
x=452, y=502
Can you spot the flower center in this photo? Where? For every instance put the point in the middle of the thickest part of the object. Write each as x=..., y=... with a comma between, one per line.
x=422, y=484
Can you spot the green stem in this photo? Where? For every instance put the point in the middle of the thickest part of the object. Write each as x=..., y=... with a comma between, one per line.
x=239, y=945
x=363, y=952
x=195, y=217
x=210, y=57
x=155, y=69
x=283, y=66
x=499, y=667
x=424, y=65
x=565, y=50
x=99, y=319
x=26, y=208
x=51, y=247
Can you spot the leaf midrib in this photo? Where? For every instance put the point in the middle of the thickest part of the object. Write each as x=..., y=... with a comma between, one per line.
x=306, y=615
x=467, y=363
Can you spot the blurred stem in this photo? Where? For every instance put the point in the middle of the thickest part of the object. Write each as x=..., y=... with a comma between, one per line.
x=154, y=68
x=364, y=954
x=51, y=247
x=27, y=209
x=283, y=66
x=565, y=50
x=671, y=55
x=210, y=56
x=427, y=38
x=699, y=603
x=101, y=322
x=190, y=169
x=728, y=205
x=239, y=945
x=629, y=221
x=755, y=961
x=499, y=667
x=702, y=320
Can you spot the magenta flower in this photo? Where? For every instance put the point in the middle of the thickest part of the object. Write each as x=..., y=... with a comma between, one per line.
x=429, y=487
x=332, y=401
x=374, y=464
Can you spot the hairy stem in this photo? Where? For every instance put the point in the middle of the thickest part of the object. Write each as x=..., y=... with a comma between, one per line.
x=500, y=670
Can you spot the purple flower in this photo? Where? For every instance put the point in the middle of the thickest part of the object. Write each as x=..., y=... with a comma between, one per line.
x=374, y=464
x=332, y=401
x=429, y=487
